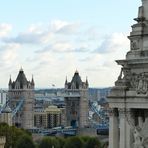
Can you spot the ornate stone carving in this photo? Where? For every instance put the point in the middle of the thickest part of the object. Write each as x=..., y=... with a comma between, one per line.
x=138, y=82
x=127, y=74
x=124, y=77
x=134, y=45
x=134, y=80
x=140, y=134
x=121, y=74
x=138, y=139
x=142, y=84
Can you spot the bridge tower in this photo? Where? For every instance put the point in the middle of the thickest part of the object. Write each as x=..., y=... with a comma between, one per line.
x=21, y=98
x=76, y=100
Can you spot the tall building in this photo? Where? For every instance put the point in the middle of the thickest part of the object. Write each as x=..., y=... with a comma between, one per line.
x=76, y=102
x=2, y=142
x=48, y=118
x=6, y=115
x=2, y=97
x=21, y=100
x=128, y=99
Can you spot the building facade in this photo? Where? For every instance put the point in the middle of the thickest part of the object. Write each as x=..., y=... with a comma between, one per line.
x=6, y=115
x=76, y=102
x=48, y=118
x=128, y=99
x=21, y=100
x=2, y=142
x=3, y=94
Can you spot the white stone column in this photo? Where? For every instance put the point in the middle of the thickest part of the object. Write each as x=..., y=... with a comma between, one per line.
x=140, y=121
x=145, y=5
x=113, y=130
x=122, y=118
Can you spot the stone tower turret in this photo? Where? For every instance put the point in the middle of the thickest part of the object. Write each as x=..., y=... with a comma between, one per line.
x=6, y=115
x=21, y=98
x=76, y=100
x=10, y=83
x=32, y=82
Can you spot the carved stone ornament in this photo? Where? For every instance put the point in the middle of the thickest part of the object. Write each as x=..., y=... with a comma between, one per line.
x=142, y=84
x=138, y=139
x=134, y=45
x=125, y=74
x=137, y=82
x=140, y=134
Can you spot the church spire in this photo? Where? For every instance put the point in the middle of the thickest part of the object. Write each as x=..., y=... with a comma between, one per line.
x=21, y=69
x=76, y=72
x=32, y=81
x=10, y=81
x=87, y=82
x=66, y=81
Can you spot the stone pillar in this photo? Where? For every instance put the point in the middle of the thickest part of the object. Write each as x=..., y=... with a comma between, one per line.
x=122, y=118
x=140, y=121
x=113, y=129
x=145, y=11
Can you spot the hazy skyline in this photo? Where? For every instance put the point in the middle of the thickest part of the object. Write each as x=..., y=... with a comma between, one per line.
x=51, y=39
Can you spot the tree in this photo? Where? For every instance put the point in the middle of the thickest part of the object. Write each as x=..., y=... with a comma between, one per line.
x=73, y=142
x=93, y=142
x=48, y=142
x=61, y=141
x=25, y=141
x=84, y=139
x=12, y=134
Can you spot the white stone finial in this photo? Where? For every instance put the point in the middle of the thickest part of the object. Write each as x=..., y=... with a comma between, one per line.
x=145, y=8
x=76, y=71
x=21, y=69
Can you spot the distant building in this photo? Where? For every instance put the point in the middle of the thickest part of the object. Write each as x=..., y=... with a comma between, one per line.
x=93, y=94
x=76, y=102
x=103, y=93
x=6, y=116
x=21, y=100
x=2, y=142
x=48, y=118
x=3, y=95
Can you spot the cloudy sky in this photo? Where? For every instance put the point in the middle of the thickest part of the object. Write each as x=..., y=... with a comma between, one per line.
x=50, y=39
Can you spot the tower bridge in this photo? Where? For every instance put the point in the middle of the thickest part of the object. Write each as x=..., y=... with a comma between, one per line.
x=21, y=100
x=76, y=102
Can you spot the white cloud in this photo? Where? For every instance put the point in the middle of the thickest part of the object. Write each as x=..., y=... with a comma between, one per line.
x=5, y=29
x=64, y=47
x=9, y=62
x=65, y=27
x=9, y=55
x=52, y=51
x=42, y=34
x=100, y=67
x=113, y=42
